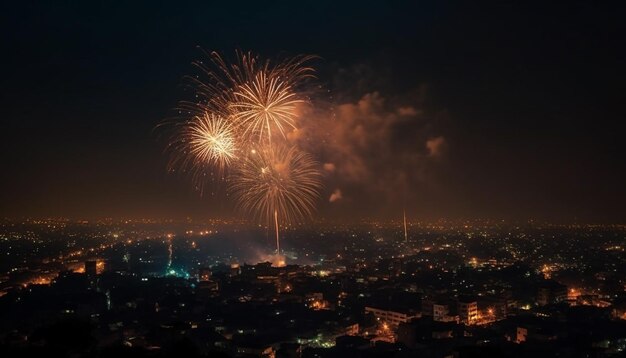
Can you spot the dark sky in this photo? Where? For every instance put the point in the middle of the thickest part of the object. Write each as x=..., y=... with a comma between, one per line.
x=528, y=99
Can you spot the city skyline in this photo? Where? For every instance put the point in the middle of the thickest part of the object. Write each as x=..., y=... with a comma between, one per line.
x=327, y=179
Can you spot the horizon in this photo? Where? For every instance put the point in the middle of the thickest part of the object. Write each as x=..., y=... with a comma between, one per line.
x=414, y=222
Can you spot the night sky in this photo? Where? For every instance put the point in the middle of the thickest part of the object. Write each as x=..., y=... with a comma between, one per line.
x=513, y=110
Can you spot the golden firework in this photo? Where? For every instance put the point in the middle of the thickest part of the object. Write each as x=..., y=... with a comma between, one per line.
x=264, y=104
x=202, y=147
x=259, y=96
x=276, y=183
x=239, y=121
x=211, y=140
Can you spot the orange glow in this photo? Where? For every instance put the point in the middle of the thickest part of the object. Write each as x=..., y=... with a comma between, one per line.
x=318, y=305
x=40, y=280
x=280, y=263
x=573, y=293
x=99, y=266
x=473, y=261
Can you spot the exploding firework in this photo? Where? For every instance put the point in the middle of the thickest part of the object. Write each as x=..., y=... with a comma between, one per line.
x=260, y=97
x=239, y=123
x=203, y=146
x=210, y=140
x=276, y=183
x=264, y=104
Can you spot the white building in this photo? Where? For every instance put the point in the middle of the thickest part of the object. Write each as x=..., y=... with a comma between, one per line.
x=392, y=317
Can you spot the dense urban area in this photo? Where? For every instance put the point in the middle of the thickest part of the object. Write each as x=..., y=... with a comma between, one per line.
x=216, y=288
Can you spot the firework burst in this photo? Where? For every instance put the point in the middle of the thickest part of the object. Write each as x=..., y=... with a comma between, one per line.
x=264, y=104
x=203, y=147
x=276, y=184
x=238, y=125
x=211, y=140
x=259, y=96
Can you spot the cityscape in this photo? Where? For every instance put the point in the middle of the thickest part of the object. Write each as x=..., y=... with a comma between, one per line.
x=140, y=287
x=320, y=179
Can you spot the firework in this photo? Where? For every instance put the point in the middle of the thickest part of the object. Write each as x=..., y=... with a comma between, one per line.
x=238, y=125
x=406, y=234
x=202, y=147
x=210, y=140
x=276, y=184
x=260, y=97
x=265, y=103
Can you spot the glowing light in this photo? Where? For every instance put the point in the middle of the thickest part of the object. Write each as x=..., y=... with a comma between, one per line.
x=264, y=103
x=279, y=181
x=238, y=125
x=546, y=270
x=100, y=266
x=210, y=140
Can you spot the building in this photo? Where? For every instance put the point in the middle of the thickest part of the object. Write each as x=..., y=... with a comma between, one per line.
x=468, y=311
x=392, y=317
x=440, y=311
x=520, y=334
x=500, y=305
x=551, y=292
x=207, y=286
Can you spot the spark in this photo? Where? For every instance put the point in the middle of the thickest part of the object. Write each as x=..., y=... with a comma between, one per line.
x=238, y=125
x=261, y=97
x=266, y=102
x=277, y=182
x=211, y=140
x=205, y=144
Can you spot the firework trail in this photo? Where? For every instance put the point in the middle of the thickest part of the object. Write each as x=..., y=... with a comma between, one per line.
x=406, y=234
